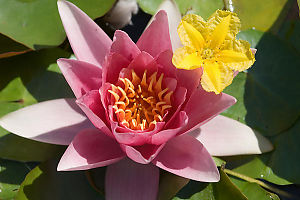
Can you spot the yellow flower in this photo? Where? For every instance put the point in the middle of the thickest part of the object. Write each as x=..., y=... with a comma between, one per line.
x=212, y=45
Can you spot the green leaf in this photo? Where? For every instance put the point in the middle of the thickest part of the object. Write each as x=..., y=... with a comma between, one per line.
x=222, y=190
x=270, y=89
x=254, y=191
x=36, y=23
x=252, y=36
x=201, y=7
x=10, y=47
x=261, y=15
x=44, y=182
x=11, y=176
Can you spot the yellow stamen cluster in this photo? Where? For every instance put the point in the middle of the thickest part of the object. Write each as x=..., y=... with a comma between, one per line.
x=140, y=103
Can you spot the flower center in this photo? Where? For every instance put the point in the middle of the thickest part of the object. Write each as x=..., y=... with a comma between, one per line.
x=140, y=103
x=207, y=53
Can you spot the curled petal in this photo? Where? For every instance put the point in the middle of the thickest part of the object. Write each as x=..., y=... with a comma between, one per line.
x=142, y=154
x=128, y=180
x=186, y=58
x=90, y=149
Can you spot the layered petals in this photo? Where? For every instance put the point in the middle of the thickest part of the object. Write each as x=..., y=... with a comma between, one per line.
x=187, y=157
x=156, y=37
x=90, y=149
x=55, y=121
x=91, y=105
x=128, y=180
x=223, y=136
x=203, y=106
x=81, y=76
x=89, y=42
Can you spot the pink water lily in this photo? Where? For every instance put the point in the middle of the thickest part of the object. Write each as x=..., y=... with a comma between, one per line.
x=135, y=112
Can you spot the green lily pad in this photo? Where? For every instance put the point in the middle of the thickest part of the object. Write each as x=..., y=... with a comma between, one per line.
x=10, y=47
x=44, y=182
x=261, y=15
x=223, y=190
x=203, y=8
x=11, y=176
x=36, y=23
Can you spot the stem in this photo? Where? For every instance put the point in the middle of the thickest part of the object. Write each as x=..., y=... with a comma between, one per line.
x=252, y=180
x=92, y=183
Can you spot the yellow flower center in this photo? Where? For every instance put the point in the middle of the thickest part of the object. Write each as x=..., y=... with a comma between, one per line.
x=207, y=54
x=140, y=102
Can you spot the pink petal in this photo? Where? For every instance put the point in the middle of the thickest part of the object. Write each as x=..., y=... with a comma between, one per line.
x=223, y=136
x=156, y=37
x=128, y=180
x=112, y=66
x=81, y=76
x=189, y=79
x=165, y=60
x=254, y=50
x=142, y=154
x=203, y=106
x=174, y=18
x=90, y=149
x=187, y=157
x=177, y=124
x=56, y=121
x=89, y=42
x=144, y=61
x=123, y=45
x=91, y=105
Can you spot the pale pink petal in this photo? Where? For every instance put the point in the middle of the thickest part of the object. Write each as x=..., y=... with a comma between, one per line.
x=123, y=45
x=112, y=66
x=223, y=136
x=127, y=180
x=91, y=105
x=142, y=154
x=90, y=149
x=203, y=106
x=174, y=18
x=156, y=37
x=187, y=157
x=89, y=42
x=81, y=76
x=189, y=79
x=56, y=121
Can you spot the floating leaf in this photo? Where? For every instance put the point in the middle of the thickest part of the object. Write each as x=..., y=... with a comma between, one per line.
x=36, y=23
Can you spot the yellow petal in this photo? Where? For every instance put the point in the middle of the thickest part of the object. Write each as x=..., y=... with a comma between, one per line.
x=237, y=55
x=197, y=22
x=190, y=36
x=216, y=77
x=185, y=58
x=222, y=25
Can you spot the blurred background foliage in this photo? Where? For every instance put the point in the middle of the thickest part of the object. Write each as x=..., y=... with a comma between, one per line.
x=32, y=39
